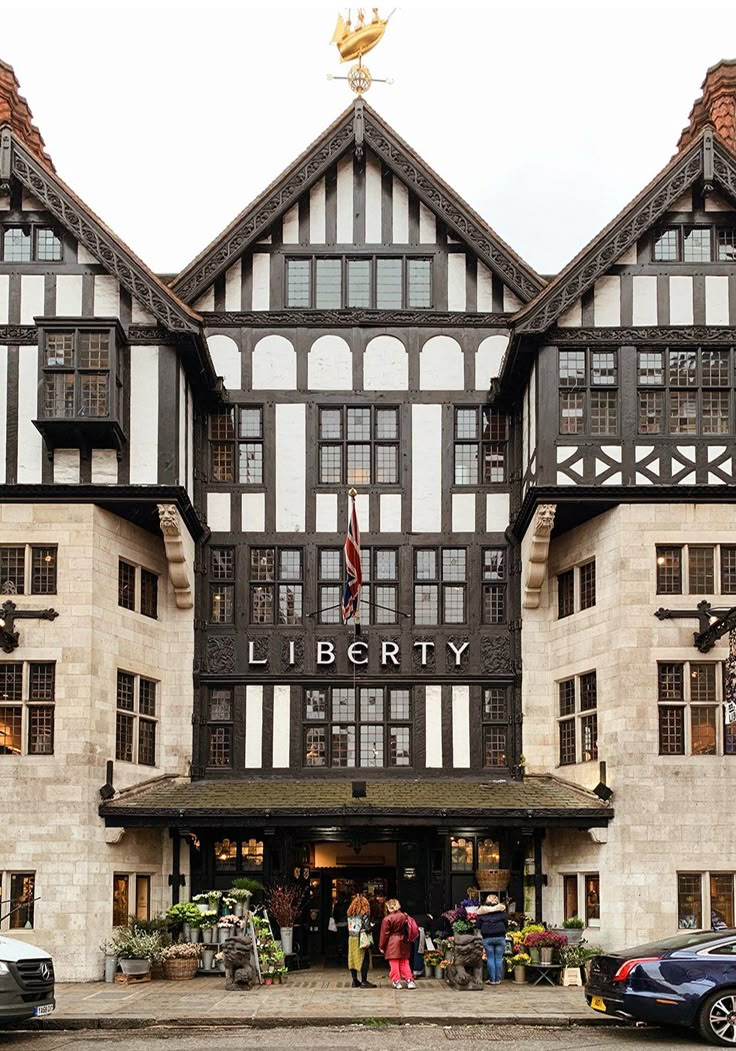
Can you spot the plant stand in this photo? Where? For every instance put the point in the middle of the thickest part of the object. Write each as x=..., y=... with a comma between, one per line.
x=132, y=979
x=543, y=973
x=571, y=976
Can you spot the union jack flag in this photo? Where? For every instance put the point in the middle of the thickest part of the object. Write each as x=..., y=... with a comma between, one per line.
x=353, y=571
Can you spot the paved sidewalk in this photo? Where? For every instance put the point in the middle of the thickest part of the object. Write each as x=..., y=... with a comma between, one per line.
x=313, y=998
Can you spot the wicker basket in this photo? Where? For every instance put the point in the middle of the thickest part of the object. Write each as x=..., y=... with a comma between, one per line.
x=181, y=969
x=490, y=880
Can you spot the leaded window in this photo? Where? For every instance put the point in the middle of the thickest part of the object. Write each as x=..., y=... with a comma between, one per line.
x=565, y=594
x=222, y=585
x=27, y=569
x=276, y=581
x=78, y=373
x=383, y=283
x=368, y=727
x=379, y=596
x=495, y=716
x=577, y=719
x=588, y=396
x=220, y=722
x=481, y=440
x=439, y=585
x=669, y=570
x=236, y=445
x=684, y=390
x=587, y=585
x=494, y=585
x=28, y=242
x=136, y=719
x=359, y=445
x=690, y=709
x=688, y=243
x=27, y=695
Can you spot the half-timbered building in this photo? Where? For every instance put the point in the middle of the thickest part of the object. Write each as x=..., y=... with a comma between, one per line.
x=536, y=463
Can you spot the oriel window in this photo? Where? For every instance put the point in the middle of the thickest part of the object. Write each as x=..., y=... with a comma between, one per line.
x=77, y=373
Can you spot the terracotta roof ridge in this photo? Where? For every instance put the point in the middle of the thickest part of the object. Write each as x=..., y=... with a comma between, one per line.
x=15, y=112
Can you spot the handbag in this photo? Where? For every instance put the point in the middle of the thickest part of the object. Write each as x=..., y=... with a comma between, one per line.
x=366, y=940
x=332, y=926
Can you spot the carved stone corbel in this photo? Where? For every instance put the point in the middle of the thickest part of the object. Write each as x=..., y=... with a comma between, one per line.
x=173, y=543
x=536, y=566
x=598, y=835
x=114, y=835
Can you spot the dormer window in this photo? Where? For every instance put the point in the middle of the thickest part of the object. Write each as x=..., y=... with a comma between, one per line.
x=80, y=402
x=26, y=243
x=381, y=283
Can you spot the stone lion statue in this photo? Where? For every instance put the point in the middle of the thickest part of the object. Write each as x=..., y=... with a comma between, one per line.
x=237, y=952
x=465, y=973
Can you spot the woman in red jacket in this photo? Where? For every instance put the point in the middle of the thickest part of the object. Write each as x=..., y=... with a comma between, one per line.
x=395, y=946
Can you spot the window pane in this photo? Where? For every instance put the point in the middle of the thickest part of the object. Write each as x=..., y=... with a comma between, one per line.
x=298, y=277
x=572, y=368
x=494, y=463
x=329, y=605
x=371, y=705
x=226, y=855
x=48, y=245
x=453, y=563
x=701, y=572
x=454, y=603
x=567, y=697
x=461, y=855
x=60, y=349
x=495, y=707
x=603, y=370
x=671, y=735
x=716, y=414
x=683, y=368
x=387, y=423
x=399, y=742
x=565, y=594
x=330, y=423
x=387, y=463
x=261, y=605
x=571, y=413
x=221, y=705
x=41, y=682
x=494, y=603
x=494, y=746
x=290, y=604
x=12, y=570
x=43, y=570
x=399, y=704
x=359, y=283
x=124, y=737
x=495, y=425
x=149, y=594
x=315, y=746
x=222, y=425
x=343, y=704
x=22, y=893
x=697, y=245
x=604, y=412
x=222, y=563
x=703, y=683
x=385, y=605
x=147, y=697
x=143, y=897
x=420, y=283
x=592, y=899
x=426, y=604
x=330, y=565
x=250, y=463
x=651, y=412
x=221, y=460
x=703, y=730
x=727, y=244
x=359, y=464
x=358, y=425
x=567, y=742
x=689, y=901
x=683, y=413
x=651, y=368
x=589, y=738
x=17, y=244
x=126, y=585
x=315, y=704
x=94, y=350
x=251, y=423
x=588, y=691
x=221, y=746
x=290, y=564
x=669, y=570
x=466, y=423
x=120, y=898
x=262, y=563
x=388, y=284
x=93, y=395
x=371, y=746
x=11, y=721
x=386, y=563
x=125, y=695
x=342, y=741
x=466, y=464
x=670, y=679
x=330, y=464
x=58, y=395
x=666, y=249
x=426, y=564
x=728, y=570
x=570, y=888
x=716, y=366
x=146, y=742
x=721, y=899
x=328, y=290
x=587, y=585
x=494, y=563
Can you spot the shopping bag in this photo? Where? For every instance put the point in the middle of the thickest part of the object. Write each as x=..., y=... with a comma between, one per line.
x=365, y=940
x=332, y=926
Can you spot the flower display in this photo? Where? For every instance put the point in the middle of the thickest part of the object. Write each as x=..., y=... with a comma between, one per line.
x=182, y=951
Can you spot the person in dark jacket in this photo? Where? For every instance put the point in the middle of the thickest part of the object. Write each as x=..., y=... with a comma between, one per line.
x=493, y=922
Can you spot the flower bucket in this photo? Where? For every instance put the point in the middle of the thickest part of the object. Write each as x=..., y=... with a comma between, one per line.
x=546, y=955
x=226, y=910
x=471, y=911
x=203, y=906
x=179, y=970
x=520, y=975
x=287, y=940
x=439, y=972
x=238, y=908
x=187, y=930
x=223, y=933
x=111, y=966
x=535, y=954
x=208, y=956
x=209, y=935
x=135, y=966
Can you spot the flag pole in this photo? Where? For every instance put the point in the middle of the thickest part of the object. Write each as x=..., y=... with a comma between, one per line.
x=356, y=616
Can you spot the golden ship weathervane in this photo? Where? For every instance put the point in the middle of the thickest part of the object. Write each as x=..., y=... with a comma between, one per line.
x=354, y=42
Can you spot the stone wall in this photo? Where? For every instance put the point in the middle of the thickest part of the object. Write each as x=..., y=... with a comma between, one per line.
x=50, y=820
x=672, y=813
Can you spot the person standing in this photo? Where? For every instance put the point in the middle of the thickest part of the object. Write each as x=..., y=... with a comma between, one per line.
x=360, y=940
x=395, y=945
x=492, y=921
x=340, y=920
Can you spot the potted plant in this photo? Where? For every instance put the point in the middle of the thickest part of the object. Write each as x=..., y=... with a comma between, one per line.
x=267, y=977
x=180, y=961
x=572, y=958
x=463, y=926
x=202, y=902
x=573, y=928
x=546, y=942
x=227, y=904
x=208, y=924
x=213, y=898
x=220, y=961
x=186, y=915
x=432, y=961
x=135, y=950
x=227, y=926
x=518, y=964
x=285, y=901
x=241, y=897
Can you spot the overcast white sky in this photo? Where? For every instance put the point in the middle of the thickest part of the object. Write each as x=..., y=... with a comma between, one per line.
x=169, y=116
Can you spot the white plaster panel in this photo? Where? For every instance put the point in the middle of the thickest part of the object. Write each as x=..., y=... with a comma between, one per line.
x=253, y=727
x=426, y=480
x=644, y=296
x=104, y=467
x=344, y=200
x=274, y=364
x=681, y=300
x=330, y=364
x=533, y=410
x=511, y=302
x=83, y=256
x=385, y=364
x=607, y=301
x=207, y=300
x=66, y=466
x=573, y=316
x=31, y=297
x=226, y=358
x=290, y=228
x=716, y=300
x=400, y=209
x=390, y=513
x=4, y=292
x=281, y=726
x=441, y=364
x=362, y=510
x=484, y=288
x=460, y=726
x=372, y=201
x=715, y=203
x=488, y=358
x=144, y=415
x=628, y=258
x=261, y=281
x=69, y=295
x=107, y=297
x=497, y=512
x=291, y=479
x=218, y=512
x=326, y=513
x=3, y=411
x=427, y=225
x=317, y=197
x=234, y=286
x=433, y=726
x=463, y=512
x=253, y=512
x=141, y=316
x=29, y=439
x=456, y=281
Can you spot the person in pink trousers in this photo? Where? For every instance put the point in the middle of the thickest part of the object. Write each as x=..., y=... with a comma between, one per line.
x=395, y=946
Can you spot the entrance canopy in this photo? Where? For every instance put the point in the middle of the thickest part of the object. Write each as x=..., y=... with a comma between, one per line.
x=535, y=802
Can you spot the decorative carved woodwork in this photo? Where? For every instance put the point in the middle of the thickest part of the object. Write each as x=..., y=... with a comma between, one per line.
x=221, y=654
x=174, y=546
x=349, y=318
x=645, y=334
x=495, y=654
x=536, y=566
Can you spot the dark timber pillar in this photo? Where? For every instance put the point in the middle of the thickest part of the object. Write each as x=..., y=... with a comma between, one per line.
x=175, y=879
x=538, y=877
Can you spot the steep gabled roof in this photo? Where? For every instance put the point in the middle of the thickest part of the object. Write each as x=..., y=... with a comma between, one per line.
x=358, y=125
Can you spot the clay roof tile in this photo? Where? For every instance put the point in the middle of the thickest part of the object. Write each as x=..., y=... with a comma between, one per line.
x=15, y=111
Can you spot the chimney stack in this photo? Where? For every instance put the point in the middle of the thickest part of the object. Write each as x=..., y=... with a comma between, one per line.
x=716, y=106
x=14, y=111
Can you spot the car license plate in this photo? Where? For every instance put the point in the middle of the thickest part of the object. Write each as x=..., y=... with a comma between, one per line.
x=44, y=1009
x=597, y=1003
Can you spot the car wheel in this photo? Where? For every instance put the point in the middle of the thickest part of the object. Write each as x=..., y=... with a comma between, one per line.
x=717, y=1018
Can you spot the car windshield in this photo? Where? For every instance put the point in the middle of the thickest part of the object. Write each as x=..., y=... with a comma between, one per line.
x=681, y=941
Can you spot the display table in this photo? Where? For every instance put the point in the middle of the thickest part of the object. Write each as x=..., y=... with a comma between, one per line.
x=543, y=972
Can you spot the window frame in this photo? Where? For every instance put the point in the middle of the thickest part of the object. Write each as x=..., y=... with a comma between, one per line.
x=225, y=727
x=222, y=585
x=275, y=584
x=673, y=384
x=137, y=599
x=491, y=724
x=677, y=705
x=233, y=445
x=494, y=586
x=572, y=722
x=589, y=381
x=329, y=721
x=484, y=447
x=705, y=894
x=28, y=707
x=345, y=259
x=441, y=584
x=29, y=568
x=373, y=442
x=34, y=227
x=76, y=327
x=137, y=718
x=680, y=228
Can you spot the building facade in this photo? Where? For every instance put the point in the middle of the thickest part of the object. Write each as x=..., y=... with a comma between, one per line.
x=536, y=463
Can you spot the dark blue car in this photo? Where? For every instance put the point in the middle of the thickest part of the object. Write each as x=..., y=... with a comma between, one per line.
x=689, y=980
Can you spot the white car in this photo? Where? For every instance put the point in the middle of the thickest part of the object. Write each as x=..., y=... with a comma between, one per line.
x=26, y=981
